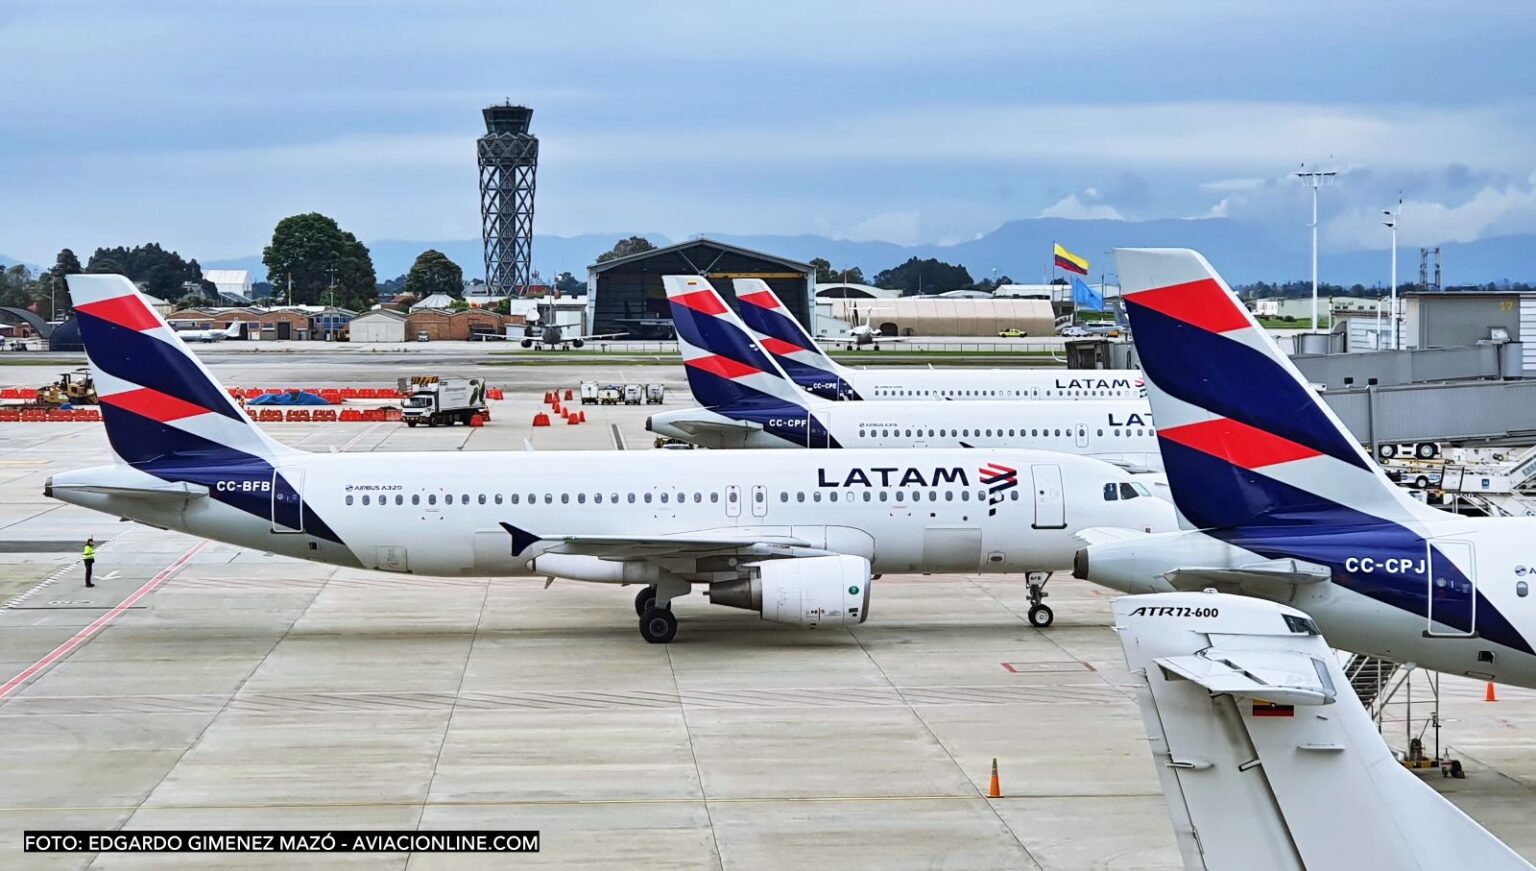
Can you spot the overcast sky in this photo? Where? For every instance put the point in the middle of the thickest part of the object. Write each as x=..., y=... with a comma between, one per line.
x=199, y=124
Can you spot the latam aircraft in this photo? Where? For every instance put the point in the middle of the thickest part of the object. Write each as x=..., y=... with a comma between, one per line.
x=1280, y=502
x=801, y=357
x=795, y=536
x=1267, y=760
x=749, y=402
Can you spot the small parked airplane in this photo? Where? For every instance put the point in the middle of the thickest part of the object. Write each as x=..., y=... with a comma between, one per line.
x=545, y=333
x=209, y=335
x=778, y=332
x=1279, y=501
x=1267, y=760
x=796, y=536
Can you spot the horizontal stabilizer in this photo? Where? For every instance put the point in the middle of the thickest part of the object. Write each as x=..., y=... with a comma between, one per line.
x=133, y=489
x=1281, y=571
x=1102, y=534
x=1281, y=677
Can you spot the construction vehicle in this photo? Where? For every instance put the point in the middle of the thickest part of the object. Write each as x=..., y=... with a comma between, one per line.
x=72, y=388
x=443, y=401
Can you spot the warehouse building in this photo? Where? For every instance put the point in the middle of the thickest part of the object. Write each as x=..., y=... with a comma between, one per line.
x=379, y=325
x=626, y=295
x=938, y=316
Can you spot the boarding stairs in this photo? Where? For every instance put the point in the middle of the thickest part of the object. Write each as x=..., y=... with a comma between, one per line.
x=1373, y=679
x=1497, y=490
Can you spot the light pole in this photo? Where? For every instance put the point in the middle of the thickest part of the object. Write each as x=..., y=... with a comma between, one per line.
x=1315, y=179
x=1391, y=224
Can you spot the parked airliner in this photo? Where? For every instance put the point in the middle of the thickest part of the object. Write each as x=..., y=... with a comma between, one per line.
x=209, y=334
x=778, y=332
x=1280, y=501
x=795, y=536
x=749, y=402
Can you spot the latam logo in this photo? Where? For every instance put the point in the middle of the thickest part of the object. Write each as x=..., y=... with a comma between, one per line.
x=999, y=479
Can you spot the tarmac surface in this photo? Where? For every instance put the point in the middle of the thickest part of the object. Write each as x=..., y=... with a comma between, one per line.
x=206, y=686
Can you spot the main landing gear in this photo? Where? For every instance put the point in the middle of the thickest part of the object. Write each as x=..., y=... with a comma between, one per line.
x=1040, y=614
x=658, y=625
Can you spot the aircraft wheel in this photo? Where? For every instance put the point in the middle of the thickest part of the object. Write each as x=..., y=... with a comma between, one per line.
x=645, y=600
x=1041, y=616
x=658, y=625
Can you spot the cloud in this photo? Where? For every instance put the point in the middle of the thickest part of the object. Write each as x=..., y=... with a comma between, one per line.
x=1082, y=208
x=1492, y=210
x=898, y=227
x=1234, y=184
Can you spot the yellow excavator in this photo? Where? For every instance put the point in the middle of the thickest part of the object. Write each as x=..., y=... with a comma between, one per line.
x=72, y=388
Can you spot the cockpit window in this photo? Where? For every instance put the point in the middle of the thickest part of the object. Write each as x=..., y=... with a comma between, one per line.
x=1111, y=493
x=1301, y=625
x=1128, y=492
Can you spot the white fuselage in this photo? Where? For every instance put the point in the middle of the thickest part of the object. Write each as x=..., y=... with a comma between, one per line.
x=442, y=514
x=1118, y=431
x=994, y=384
x=1376, y=601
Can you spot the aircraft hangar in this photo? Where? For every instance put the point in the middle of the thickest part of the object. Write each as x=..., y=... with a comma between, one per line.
x=625, y=295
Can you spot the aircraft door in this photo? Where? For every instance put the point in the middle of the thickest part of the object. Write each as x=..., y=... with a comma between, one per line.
x=1451, y=568
x=759, y=500
x=1050, y=502
x=288, y=500
x=733, y=501
x=1082, y=435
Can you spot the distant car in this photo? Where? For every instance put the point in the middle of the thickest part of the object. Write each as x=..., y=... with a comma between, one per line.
x=1011, y=333
x=423, y=337
x=1074, y=332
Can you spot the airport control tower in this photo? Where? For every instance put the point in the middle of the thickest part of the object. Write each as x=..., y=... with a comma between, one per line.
x=509, y=158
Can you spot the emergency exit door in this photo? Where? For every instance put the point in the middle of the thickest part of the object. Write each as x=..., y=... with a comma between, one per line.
x=1050, y=502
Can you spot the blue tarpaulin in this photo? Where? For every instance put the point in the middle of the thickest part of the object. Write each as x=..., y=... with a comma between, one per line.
x=291, y=398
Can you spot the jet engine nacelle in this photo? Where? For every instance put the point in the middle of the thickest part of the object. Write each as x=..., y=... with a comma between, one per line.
x=809, y=591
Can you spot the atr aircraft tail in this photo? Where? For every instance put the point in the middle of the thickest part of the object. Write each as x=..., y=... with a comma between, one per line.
x=1245, y=441
x=1267, y=760
x=781, y=335
x=725, y=367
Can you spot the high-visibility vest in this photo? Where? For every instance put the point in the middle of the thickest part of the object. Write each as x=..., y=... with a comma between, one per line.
x=88, y=552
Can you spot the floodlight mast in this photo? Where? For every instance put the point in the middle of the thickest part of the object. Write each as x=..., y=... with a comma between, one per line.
x=1315, y=179
x=1390, y=223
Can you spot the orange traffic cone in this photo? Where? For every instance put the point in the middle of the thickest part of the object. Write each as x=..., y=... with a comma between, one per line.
x=572, y=420
x=1490, y=695
x=541, y=419
x=568, y=396
x=582, y=415
x=549, y=398
x=995, y=790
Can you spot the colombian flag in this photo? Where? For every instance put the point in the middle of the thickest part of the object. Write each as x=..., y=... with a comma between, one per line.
x=1071, y=262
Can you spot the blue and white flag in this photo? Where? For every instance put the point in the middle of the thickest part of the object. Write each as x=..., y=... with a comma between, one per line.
x=1085, y=297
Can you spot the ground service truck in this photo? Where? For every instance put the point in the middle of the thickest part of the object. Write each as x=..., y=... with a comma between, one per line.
x=442, y=401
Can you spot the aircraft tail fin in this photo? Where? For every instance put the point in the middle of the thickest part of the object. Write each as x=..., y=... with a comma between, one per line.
x=780, y=334
x=725, y=367
x=1245, y=706
x=1245, y=440
x=158, y=401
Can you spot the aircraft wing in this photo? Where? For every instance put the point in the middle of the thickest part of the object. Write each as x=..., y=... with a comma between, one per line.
x=641, y=546
x=594, y=336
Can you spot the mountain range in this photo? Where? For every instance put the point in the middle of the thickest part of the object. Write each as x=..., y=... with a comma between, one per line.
x=1021, y=250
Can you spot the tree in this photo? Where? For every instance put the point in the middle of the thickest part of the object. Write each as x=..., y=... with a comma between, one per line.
x=433, y=273
x=569, y=285
x=312, y=252
x=825, y=274
x=924, y=276
x=626, y=247
x=987, y=285
x=161, y=272
x=66, y=264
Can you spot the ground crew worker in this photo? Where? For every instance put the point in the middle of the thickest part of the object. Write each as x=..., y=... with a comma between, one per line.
x=88, y=556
